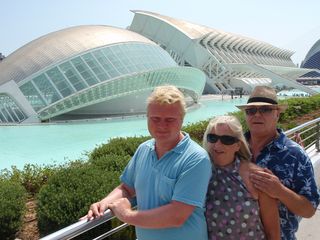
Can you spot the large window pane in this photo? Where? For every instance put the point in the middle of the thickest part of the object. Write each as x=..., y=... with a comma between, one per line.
x=9, y=110
x=74, y=78
x=60, y=82
x=46, y=88
x=95, y=67
x=33, y=96
x=84, y=71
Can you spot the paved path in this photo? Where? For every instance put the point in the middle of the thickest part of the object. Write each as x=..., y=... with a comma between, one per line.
x=309, y=229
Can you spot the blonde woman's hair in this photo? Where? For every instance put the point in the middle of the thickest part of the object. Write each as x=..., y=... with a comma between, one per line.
x=167, y=94
x=236, y=130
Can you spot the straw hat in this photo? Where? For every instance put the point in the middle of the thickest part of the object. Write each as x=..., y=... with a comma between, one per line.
x=263, y=96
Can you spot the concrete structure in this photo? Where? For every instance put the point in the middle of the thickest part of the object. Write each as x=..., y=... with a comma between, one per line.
x=88, y=71
x=230, y=61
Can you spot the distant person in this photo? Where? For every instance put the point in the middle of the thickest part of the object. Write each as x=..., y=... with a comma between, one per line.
x=288, y=173
x=168, y=175
x=234, y=208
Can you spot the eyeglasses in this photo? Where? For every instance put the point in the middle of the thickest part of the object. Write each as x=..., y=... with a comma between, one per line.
x=224, y=139
x=261, y=110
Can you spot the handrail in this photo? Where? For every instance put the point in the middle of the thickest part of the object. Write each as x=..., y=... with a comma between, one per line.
x=304, y=125
x=85, y=225
x=312, y=131
x=78, y=228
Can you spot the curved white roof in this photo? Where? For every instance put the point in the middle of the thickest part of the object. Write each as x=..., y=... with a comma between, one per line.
x=192, y=30
x=60, y=45
x=221, y=38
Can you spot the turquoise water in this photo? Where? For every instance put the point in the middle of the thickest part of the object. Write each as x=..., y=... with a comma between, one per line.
x=57, y=143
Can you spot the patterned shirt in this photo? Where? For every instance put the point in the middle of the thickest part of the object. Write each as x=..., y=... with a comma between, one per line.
x=290, y=163
x=232, y=213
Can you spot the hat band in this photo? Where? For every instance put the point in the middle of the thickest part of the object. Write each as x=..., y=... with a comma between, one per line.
x=262, y=99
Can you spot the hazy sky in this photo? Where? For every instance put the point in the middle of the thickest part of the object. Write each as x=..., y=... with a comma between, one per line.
x=294, y=25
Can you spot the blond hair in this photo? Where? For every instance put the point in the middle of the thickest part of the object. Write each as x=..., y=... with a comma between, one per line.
x=167, y=94
x=236, y=129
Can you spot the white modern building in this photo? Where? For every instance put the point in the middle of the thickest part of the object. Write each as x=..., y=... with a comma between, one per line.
x=230, y=61
x=101, y=71
x=88, y=71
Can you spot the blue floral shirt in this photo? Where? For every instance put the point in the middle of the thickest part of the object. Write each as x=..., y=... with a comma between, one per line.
x=290, y=163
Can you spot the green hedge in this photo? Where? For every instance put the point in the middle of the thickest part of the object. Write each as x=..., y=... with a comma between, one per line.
x=12, y=208
x=111, y=162
x=119, y=146
x=69, y=193
x=299, y=106
x=32, y=177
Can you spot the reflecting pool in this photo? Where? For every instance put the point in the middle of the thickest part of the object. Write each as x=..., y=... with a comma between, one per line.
x=58, y=143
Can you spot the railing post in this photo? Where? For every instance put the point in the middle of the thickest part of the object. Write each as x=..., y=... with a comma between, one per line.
x=318, y=137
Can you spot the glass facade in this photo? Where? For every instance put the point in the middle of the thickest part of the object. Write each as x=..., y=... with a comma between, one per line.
x=91, y=68
x=187, y=78
x=9, y=110
x=312, y=62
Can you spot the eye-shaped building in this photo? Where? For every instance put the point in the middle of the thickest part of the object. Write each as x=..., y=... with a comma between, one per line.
x=88, y=71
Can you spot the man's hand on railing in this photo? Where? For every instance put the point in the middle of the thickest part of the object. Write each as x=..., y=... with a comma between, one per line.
x=96, y=210
x=121, y=208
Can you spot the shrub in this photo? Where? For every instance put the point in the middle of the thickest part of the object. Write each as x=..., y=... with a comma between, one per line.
x=32, y=176
x=196, y=130
x=12, y=208
x=111, y=162
x=119, y=146
x=70, y=192
x=299, y=106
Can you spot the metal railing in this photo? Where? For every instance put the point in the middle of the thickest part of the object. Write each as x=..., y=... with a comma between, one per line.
x=83, y=226
x=308, y=133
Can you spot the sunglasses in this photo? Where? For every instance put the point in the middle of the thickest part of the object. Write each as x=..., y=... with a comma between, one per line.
x=224, y=139
x=261, y=110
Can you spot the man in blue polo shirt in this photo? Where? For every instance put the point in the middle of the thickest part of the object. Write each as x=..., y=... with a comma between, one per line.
x=168, y=175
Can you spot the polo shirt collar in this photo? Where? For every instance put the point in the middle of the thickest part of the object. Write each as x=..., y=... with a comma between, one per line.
x=179, y=148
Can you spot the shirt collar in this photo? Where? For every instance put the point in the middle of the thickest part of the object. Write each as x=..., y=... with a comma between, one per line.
x=179, y=148
x=279, y=142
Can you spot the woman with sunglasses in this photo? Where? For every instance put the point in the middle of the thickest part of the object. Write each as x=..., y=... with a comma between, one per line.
x=234, y=208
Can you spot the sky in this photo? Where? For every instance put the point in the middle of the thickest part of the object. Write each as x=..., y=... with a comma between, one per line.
x=289, y=24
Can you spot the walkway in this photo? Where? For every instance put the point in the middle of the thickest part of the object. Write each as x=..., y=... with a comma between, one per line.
x=309, y=229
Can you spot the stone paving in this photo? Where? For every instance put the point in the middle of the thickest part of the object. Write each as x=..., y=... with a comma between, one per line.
x=309, y=228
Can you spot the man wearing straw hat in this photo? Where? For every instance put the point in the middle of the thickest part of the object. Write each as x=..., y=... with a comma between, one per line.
x=288, y=175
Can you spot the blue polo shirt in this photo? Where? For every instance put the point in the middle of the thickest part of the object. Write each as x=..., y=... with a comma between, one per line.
x=182, y=174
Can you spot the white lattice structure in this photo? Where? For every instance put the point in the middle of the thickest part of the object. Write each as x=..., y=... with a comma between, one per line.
x=229, y=60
